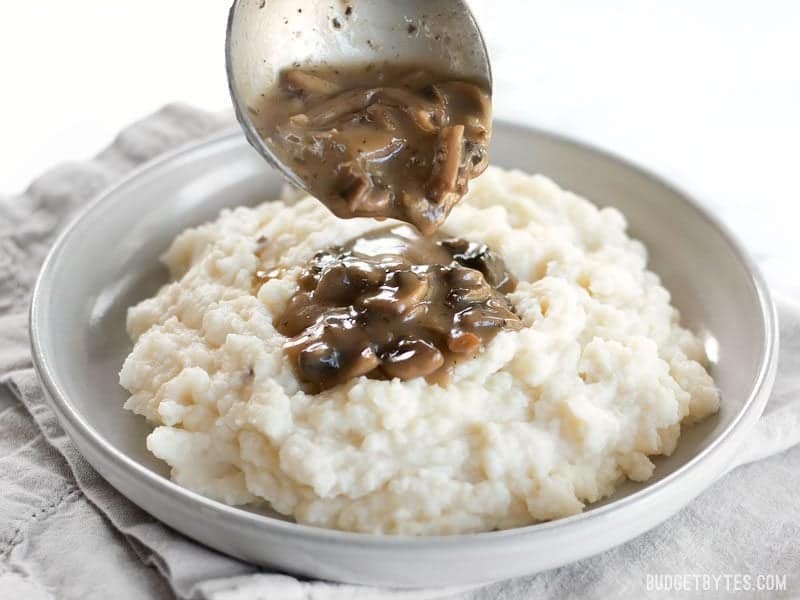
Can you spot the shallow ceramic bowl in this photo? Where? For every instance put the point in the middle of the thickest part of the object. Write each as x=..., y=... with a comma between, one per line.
x=107, y=260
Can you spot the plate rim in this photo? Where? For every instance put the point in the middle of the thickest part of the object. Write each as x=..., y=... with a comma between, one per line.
x=59, y=401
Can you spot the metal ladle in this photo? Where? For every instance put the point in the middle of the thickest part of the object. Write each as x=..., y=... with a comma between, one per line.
x=266, y=36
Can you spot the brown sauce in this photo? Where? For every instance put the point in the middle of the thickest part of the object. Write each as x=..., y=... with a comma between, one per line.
x=379, y=141
x=394, y=304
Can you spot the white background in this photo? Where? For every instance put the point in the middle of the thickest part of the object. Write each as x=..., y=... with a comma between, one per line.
x=704, y=92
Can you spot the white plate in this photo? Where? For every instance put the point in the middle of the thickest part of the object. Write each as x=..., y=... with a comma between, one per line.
x=108, y=259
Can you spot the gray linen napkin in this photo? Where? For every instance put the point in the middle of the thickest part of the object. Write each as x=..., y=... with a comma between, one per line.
x=65, y=533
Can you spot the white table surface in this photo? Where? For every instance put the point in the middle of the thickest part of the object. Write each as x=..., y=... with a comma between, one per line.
x=706, y=93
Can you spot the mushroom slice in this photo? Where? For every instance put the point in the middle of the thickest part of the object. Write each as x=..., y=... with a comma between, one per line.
x=412, y=358
x=298, y=81
x=446, y=162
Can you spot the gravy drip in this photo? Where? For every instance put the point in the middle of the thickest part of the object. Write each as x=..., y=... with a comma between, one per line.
x=380, y=141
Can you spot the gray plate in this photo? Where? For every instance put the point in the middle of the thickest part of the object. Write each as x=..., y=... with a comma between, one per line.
x=107, y=260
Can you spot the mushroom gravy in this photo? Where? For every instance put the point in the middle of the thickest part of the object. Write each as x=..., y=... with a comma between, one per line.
x=387, y=140
x=394, y=304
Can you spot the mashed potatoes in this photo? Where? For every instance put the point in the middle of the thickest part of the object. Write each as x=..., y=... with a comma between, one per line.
x=546, y=419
